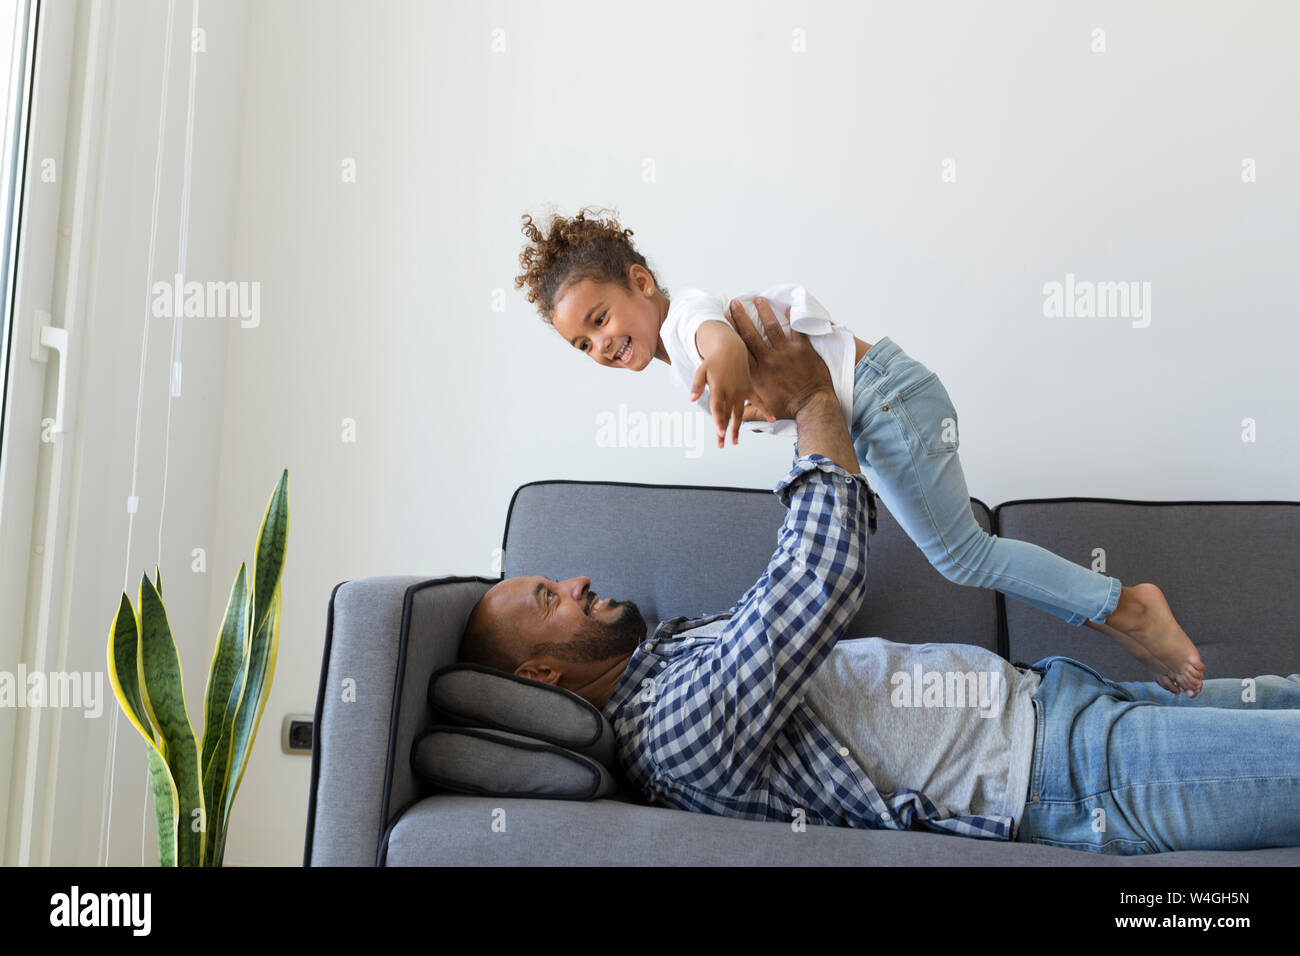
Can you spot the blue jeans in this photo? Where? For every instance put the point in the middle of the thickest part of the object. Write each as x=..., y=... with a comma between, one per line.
x=905, y=435
x=1129, y=768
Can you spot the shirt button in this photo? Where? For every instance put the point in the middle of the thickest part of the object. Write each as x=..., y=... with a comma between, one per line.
x=885, y=817
x=649, y=646
x=844, y=751
x=663, y=663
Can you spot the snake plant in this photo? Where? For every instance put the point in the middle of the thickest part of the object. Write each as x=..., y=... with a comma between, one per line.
x=194, y=783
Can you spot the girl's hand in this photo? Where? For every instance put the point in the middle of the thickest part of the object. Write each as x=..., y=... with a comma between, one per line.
x=726, y=373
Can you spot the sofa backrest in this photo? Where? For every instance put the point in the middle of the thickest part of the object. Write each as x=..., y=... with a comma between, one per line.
x=1230, y=571
x=680, y=549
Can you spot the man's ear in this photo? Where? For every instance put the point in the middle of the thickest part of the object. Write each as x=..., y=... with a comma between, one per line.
x=535, y=670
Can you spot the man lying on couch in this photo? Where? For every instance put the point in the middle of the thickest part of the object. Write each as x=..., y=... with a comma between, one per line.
x=764, y=713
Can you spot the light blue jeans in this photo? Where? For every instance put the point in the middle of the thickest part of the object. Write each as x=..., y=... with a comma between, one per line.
x=905, y=435
x=1129, y=768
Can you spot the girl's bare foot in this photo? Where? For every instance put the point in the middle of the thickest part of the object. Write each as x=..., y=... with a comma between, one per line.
x=1164, y=677
x=1144, y=616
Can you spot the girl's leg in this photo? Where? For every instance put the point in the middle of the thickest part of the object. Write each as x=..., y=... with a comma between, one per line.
x=905, y=434
x=910, y=443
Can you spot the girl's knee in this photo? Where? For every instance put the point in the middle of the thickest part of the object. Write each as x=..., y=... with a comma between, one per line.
x=962, y=563
x=954, y=570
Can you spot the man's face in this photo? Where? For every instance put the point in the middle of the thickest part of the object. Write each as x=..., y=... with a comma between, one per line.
x=565, y=620
x=614, y=326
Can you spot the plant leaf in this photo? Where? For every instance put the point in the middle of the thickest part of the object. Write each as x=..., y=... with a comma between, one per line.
x=218, y=776
x=163, y=692
x=229, y=660
x=252, y=682
x=123, y=650
x=248, y=715
x=268, y=556
x=166, y=807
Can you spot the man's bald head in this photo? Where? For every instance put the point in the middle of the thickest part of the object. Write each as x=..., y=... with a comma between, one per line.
x=487, y=640
x=558, y=632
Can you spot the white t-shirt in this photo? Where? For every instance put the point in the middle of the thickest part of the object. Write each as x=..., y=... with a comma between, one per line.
x=691, y=308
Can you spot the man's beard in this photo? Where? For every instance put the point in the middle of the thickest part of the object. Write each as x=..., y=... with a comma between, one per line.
x=600, y=640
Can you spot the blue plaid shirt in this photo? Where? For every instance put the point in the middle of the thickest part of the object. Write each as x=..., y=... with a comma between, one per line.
x=717, y=724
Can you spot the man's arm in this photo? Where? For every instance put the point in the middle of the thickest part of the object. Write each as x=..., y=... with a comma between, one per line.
x=719, y=721
x=822, y=432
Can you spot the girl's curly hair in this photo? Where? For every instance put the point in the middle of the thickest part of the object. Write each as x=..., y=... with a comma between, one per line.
x=575, y=249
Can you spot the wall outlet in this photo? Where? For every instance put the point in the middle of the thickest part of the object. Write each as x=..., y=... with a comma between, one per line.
x=296, y=734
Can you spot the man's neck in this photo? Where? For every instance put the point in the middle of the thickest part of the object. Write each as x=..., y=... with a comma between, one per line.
x=598, y=690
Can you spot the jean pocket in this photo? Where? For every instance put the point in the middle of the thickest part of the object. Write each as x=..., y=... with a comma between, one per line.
x=1083, y=667
x=926, y=410
x=1117, y=846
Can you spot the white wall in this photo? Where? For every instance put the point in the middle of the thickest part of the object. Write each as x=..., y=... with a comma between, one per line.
x=821, y=167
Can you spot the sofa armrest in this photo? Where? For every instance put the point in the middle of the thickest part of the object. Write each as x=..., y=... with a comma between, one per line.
x=383, y=637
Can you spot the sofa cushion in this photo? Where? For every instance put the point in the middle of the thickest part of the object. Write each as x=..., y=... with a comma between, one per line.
x=500, y=764
x=476, y=696
x=447, y=830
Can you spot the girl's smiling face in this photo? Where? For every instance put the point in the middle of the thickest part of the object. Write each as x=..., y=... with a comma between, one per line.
x=615, y=326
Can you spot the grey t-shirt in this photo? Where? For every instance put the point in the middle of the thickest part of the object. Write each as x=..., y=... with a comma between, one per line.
x=953, y=721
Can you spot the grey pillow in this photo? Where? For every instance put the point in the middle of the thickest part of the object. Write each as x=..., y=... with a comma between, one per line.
x=501, y=764
x=472, y=695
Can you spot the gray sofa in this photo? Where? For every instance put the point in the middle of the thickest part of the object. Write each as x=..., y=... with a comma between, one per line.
x=1231, y=571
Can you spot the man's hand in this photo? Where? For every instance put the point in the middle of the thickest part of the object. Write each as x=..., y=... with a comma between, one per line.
x=787, y=373
x=726, y=373
x=792, y=381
